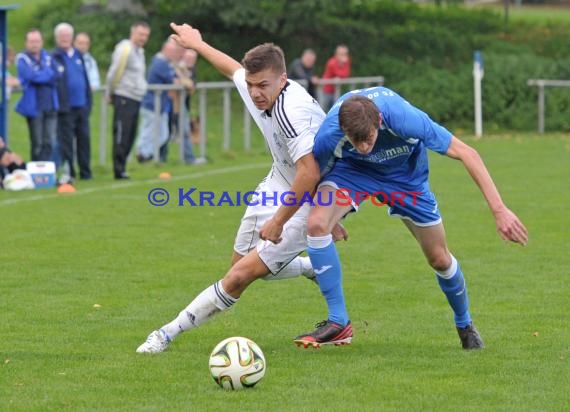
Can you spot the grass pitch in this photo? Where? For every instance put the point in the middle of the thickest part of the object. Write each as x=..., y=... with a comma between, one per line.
x=106, y=245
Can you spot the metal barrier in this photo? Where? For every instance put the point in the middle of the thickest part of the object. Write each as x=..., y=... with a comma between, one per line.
x=202, y=89
x=541, y=84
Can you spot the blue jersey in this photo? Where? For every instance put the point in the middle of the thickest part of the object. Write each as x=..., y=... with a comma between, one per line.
x=399, y=155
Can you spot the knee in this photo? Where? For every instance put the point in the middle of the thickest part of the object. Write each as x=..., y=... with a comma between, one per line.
x=440, y=261
x=318, y=225
x=235, y=280
x=239, y=278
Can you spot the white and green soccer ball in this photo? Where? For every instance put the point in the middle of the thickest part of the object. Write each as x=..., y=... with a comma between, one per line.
x=237, y=363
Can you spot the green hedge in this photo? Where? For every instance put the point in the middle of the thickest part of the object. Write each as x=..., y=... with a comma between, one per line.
x=425, y=53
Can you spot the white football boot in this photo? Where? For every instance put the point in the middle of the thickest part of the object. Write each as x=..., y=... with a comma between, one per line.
x=155, y=343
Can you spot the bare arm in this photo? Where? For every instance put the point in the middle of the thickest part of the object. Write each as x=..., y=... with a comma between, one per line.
x=191, y=38
x=306, y=178
x=508, y=224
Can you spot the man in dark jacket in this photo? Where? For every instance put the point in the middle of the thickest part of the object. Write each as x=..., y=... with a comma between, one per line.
x=74, y=95
x=302, y=69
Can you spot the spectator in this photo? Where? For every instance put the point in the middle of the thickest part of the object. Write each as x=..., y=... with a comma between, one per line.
x=9, y=161
x=39, y=101
x=74, y=105
x=186, y=73
x=160, y=72
x=126, y=87
x=337, y=67
x=302, y=69
x=83, y=43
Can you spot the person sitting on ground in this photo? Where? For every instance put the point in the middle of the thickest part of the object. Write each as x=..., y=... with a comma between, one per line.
x=9, y=160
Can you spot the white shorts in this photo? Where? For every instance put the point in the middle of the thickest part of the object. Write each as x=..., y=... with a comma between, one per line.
x=294, y=236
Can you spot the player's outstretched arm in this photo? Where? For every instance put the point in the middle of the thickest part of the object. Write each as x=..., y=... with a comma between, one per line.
x=191, y=38
x=302, y=189
x=508, y=224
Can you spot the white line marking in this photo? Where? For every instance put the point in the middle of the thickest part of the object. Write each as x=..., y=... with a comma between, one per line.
x=122, y=185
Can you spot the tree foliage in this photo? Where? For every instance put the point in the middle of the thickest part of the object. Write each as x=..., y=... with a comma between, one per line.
x=425, y=53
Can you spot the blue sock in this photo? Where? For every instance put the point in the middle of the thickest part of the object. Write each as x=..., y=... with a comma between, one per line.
x=326, y=264
x=452, y=283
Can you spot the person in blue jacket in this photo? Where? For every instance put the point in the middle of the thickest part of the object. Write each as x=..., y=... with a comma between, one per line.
x=160, y=72
x=39, y=102
x=75, y=101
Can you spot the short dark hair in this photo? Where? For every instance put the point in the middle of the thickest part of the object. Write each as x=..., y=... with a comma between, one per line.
x=265, y=56
x=357, y=115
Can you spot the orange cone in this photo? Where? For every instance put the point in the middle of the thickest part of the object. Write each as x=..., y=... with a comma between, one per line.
x=66, y=188
x=164, y=176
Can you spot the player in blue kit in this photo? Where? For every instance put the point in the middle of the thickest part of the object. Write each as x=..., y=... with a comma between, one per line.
x=373, y=143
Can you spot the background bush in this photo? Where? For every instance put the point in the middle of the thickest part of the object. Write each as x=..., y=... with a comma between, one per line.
x=424, y=53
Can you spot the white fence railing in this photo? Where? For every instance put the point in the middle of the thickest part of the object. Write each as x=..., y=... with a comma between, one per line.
x=542, y=84
x=201, y=92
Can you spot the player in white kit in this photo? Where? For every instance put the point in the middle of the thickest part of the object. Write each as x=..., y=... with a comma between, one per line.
x=289, y=118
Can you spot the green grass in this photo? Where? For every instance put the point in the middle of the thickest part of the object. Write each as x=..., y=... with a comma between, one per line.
x=106, y=245
x=541, y=15
x=535, y=14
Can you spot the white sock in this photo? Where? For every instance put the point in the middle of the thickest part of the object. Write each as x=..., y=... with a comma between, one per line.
x=301, y=265
x=210, y=302
x=450, y=271
x=319, y=242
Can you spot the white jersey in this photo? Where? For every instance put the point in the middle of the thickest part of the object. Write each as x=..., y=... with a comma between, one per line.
x=289, y=129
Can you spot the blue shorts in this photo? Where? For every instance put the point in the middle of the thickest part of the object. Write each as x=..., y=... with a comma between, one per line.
x=417, y=204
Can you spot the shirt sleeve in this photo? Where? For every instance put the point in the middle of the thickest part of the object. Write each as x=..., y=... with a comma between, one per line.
x=296, y=71
x=163, y=72
x=27, y=74
x=93, y=73
x=299, y=122
x=327, y=143
x=412, y=125
x=328, y=72
x=119, y=61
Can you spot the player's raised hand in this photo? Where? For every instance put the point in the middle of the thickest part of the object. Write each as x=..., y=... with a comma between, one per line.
x=510, y=227
x=186, y=35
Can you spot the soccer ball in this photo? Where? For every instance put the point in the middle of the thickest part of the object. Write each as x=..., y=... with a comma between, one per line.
x=237, y=363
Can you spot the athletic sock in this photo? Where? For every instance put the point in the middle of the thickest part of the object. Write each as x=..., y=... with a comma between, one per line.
x=452, y=283
x=326, y=265
x=301, y=265
x=208, y=303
